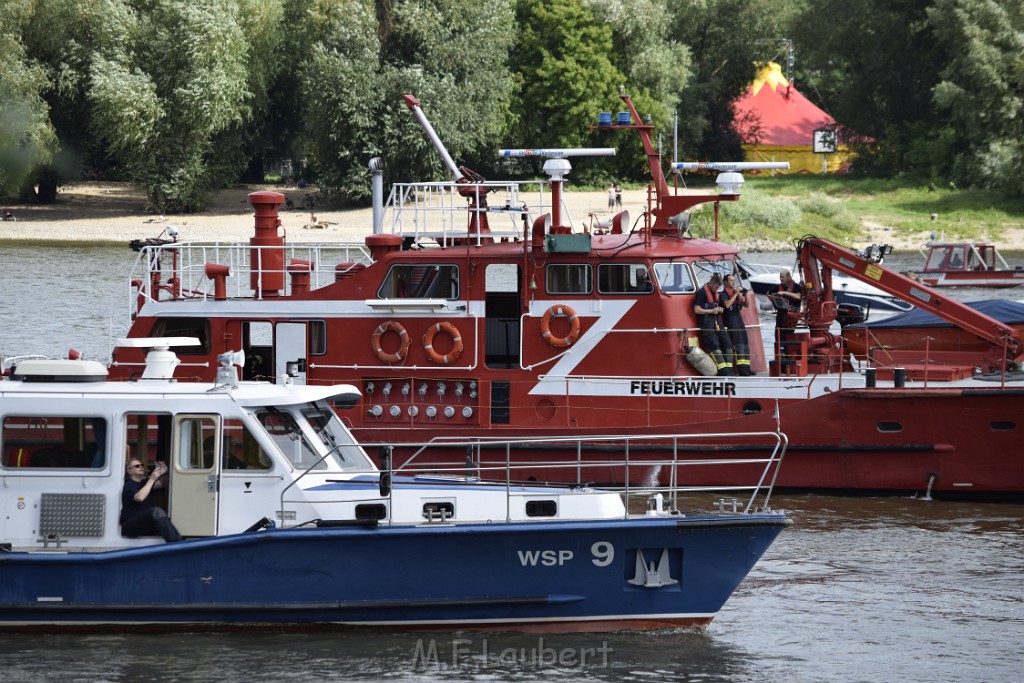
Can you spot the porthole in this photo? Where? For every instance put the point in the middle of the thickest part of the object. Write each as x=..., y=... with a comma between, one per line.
x=1002, y=426
x=752, y=408
x=890, y=427
x=371, y=511
x=545, y=409
x=541, y=508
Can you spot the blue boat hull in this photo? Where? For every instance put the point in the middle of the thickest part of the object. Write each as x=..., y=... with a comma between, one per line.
x=551, y=576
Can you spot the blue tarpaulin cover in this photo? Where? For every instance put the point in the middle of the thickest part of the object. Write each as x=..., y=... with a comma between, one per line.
x=1007, y=312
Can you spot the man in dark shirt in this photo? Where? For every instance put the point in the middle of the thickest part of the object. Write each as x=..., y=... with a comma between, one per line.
x=787, y=298
x=139, y=517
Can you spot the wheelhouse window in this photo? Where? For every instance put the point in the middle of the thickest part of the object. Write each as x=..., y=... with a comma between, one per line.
x=674, y=277
x=569, y=278
x=185, y=327
x=624, y=278
x=705, y=269
x=346, y=452
x=426, y=281
x=284, y=430
x=936, y=259
x=241, y=450
x=53, y=442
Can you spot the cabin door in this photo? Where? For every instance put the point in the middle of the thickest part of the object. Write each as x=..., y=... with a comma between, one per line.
x=195, y=480
x=290, y=348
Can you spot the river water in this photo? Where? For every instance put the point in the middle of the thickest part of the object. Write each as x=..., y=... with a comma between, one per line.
x=859, y=589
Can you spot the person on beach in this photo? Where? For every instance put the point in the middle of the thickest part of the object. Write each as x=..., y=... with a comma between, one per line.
x=611, y=197
x=618, y=196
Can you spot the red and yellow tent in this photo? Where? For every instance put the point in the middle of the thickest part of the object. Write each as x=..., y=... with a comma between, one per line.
x=777, y=123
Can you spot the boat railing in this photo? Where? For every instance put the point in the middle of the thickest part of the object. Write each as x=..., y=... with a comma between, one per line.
x=443, y=212
x=652, y=469
x=179, y=270
x=645, y=465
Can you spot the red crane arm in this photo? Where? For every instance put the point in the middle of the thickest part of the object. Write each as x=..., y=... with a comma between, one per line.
x=813, y=253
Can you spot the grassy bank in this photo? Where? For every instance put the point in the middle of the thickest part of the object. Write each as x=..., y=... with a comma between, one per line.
x=904, y=208
x=778, y=210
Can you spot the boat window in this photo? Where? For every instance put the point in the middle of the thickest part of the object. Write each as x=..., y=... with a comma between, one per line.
x=569, y=278
x=956, y=258
x=147, y=436
x=426, y=281
x=52, y=441
x=624, y=278
x=674, y=277
x=317, y=331
x=705, y=269
x=936, y=259
x=197, y=443
x=285, y=432
x=240, y=449
x=185, y=327
x=346, y=452
x=257, y=342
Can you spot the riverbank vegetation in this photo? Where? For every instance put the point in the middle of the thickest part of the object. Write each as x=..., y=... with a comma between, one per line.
x=186, y=96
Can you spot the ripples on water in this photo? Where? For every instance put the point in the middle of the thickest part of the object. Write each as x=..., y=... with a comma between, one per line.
x=859, y=589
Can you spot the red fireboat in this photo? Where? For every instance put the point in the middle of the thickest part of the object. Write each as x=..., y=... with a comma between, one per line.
x=478, y=309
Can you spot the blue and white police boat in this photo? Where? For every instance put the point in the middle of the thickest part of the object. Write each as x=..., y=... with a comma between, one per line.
x=287, y=523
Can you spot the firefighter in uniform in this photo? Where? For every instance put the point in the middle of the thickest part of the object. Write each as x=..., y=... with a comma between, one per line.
x=733, y=299
x=713, y=337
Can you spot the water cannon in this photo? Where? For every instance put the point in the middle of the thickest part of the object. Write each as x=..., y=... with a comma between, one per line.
x=681, y=221
x=876, y=253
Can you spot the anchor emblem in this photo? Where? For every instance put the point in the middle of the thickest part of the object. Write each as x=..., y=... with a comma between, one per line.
x=653, y=576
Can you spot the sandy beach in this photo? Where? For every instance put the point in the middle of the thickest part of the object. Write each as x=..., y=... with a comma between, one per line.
x=117, y=212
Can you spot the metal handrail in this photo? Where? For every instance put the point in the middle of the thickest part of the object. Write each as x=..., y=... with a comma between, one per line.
x=503, y=467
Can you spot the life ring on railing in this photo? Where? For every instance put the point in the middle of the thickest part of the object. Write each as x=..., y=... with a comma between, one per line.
x=457, y=346
x=403, y=349
x=563, y=311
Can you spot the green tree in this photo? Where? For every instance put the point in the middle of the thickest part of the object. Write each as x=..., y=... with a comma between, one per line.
x=27, y=139
x=172, y=93
x=564, y=61
x=875, y=64
x=657, y=69
x=364, y=55
x=727, y=38
x=981, y=88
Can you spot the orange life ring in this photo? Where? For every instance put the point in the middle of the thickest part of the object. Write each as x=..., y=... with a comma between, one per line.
x=403, y=349
x=563, y=311
x=428, y=343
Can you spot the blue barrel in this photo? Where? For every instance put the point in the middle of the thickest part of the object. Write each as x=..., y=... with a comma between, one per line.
x=604, y=118
x=624, y=119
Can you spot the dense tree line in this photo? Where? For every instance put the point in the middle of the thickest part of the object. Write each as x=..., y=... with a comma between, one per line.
x=184, y=96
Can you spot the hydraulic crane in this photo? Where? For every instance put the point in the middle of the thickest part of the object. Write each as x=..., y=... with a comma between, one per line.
x=817, y=258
